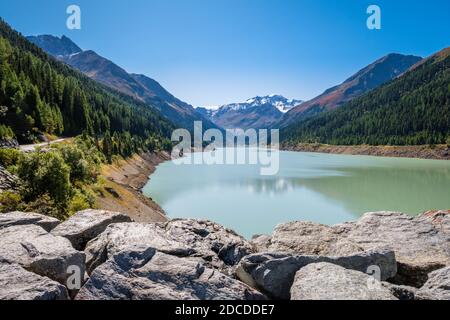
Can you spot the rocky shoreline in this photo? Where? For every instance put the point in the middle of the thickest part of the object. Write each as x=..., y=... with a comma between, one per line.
x=438, y=152
x=382, y=256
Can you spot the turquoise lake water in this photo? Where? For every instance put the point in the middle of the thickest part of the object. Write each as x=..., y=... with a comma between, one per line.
x=323, y=188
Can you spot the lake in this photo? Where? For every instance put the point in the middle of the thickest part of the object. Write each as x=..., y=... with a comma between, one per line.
x=323, y=188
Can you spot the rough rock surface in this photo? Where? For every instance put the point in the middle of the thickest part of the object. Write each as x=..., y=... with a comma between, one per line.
x=191, y=259
x=401, y=292
x=220, y=248
x=326, y=281
x=261, y=243
x=439, y=218
x=437, y=287
x=86, y=225
x=421, y=244
x=9, y=143
x=40, y=252
x=8, y=181
x=146, y=274
x=274, y=273
x=16, y=283
x=24, y=218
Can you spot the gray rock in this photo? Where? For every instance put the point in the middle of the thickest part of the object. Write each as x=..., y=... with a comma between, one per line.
x=23, y=218
x=421, y=244
x=16, y=283
x=261, y=243
x=439, y=218
x=8, y=181
x=401, y=292
x=85, y=225
x=146, y=274
x=274, y=273
x=437, y=287
x=40, y=252
x=220, y=248
x=326, y=281
x=308, y=238
x=9, y=143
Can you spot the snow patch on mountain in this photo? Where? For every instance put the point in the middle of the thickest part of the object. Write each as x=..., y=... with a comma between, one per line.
x=281, y=103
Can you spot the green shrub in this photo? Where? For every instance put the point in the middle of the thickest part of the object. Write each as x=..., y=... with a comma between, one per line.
x=90, y=149
x=6, y=132
x=81, y=200
x=83, y=158
x=77, y=203
x=9, y=157
x=45, y=173
x=73, y=156
x=10, y=201
x=47, y=206
x=116, y=159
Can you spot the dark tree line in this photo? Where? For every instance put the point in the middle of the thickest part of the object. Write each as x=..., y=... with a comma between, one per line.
x=411, y=110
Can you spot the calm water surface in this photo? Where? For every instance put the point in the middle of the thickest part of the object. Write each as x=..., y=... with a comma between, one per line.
x=323, y=188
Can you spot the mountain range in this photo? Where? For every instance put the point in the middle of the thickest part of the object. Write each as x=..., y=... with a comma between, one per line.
x=257, y=112
x=412, y=109
x=275, y=111
x=398, y=99
x=110, y=74
x=377, y=73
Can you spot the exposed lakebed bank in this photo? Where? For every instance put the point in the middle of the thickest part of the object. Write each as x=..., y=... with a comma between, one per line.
x=192, y=259
x=436, y=152
x=124, y=181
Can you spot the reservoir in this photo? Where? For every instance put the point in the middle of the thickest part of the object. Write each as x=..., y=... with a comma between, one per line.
x=323, y=188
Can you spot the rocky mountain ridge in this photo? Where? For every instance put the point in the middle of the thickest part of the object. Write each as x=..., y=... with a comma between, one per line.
x=372, y=76
x=257, y=113
x=57, y=47
x=110, y=74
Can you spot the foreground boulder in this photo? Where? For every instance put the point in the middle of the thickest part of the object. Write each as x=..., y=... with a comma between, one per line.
x=40, y=252
x=261, y=243
x=439, y=218
x=421, y=244
x=437, y=287
x=218, y=247
x=18, y=218
x=16, y=283
x=86, y=225
x=146, y=274
x=326, y=281
x=274, y=273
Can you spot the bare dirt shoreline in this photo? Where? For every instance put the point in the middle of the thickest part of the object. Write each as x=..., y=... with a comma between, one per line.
x=438, y=152
x=123, y=183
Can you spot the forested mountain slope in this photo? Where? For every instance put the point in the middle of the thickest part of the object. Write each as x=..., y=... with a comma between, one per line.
x=374, y=75
x=412, y=109
x=41, y=95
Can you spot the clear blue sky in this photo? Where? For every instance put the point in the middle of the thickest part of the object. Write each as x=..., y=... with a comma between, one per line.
x=211, y=52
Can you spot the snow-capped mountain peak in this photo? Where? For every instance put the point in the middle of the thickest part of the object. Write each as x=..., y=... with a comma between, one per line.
x=278, y=101
x=256, y=112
